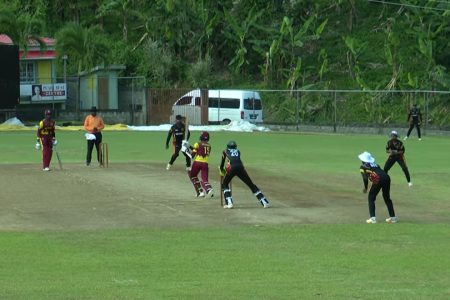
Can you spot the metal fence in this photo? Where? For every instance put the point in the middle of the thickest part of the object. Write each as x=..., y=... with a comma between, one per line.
x=335, y=110
x=342, y=109
x=127, y=100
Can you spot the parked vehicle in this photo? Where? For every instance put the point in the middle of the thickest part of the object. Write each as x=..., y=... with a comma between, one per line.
x=224, y=106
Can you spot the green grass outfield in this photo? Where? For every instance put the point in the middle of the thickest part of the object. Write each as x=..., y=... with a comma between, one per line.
x=408, y=260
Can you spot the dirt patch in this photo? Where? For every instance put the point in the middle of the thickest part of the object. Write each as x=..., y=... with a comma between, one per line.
x=146, y=195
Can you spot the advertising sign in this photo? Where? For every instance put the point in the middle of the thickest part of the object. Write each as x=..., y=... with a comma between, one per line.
x=44, y=92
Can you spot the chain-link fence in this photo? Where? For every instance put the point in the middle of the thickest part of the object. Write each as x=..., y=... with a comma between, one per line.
x=344, y=109
x=330, y=110
x=126, y=100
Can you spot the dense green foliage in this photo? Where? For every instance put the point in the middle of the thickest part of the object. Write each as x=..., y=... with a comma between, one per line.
x=286, y=44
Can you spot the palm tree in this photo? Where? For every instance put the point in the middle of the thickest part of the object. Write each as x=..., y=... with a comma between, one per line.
x=21, y=28
x=83, y=45
x=122, y=10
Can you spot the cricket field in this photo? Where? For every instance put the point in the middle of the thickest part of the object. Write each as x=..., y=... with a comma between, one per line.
x=136, y=231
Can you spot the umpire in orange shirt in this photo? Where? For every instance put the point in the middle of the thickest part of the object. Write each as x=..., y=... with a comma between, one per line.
x=93, y=124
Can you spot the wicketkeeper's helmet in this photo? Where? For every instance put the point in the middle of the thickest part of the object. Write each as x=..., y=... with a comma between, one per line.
x=231, y=145
x=204, y=136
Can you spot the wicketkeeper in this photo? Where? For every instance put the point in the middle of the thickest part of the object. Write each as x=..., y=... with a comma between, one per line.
x=230, y=166
x=46, y=139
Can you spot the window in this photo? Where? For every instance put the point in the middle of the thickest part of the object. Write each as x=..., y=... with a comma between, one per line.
x=185, y=101
x=224, y=102
x=27, y=72
x=252, y=104
x=213, y=102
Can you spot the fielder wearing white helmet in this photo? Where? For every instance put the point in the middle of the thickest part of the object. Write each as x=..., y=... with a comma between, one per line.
x=381, y=181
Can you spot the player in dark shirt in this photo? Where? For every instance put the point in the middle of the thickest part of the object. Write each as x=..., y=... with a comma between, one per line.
x=414, y=119
x=370, y=171
x=396, y=152
x=230, y=166
x=178, y=133
x=46, y=138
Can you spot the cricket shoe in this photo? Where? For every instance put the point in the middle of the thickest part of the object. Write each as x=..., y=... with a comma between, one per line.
x=392, y=220
x=405, y=138
x=210, y=193
x=201, y=195
x=168, y=167
x=410, y=184
x=371, y=220
x=264, y=202
x=228, y=205
x=420, y=139
x=46, y=169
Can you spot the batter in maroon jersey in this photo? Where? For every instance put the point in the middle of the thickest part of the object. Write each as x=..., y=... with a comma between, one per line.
x=46, y=139
x=200, y=154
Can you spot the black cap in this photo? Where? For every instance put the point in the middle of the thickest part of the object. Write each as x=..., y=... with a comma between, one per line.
x=231, y=145
x=179, y=117
x=94, y=109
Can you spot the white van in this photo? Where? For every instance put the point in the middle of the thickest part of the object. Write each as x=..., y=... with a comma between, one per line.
x=224, y=106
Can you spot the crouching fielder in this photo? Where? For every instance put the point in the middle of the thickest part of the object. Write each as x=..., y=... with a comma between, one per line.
x=200, y=153
x=230, y=166
x=380, y=181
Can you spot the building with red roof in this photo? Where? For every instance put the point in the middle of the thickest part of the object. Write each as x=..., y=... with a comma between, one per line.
x=38, y=82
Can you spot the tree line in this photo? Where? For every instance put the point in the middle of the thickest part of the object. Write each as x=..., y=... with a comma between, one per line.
x=286, y=44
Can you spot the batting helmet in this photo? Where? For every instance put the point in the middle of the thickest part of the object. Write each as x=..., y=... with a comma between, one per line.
x=48, y=112
x=231, y=145
x=204, y=136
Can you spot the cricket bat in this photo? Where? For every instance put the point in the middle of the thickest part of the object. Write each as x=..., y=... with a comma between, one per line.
x=221, y=190
x=59, y=159
x=186, y=124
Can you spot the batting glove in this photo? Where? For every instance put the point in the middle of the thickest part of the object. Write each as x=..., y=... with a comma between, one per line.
x=37, y=146
x=55, y=142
